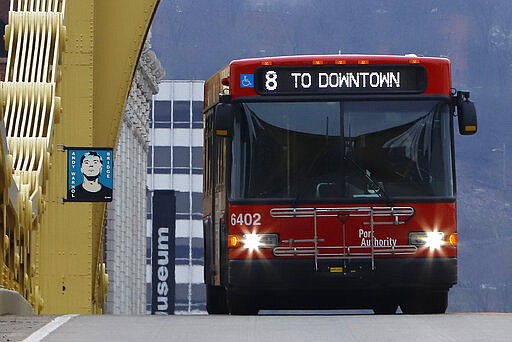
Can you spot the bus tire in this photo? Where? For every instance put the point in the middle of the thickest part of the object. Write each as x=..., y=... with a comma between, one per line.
x=241, y=304
x=426, y=302
x=216, y=300
x=385, y=307
x=438, y=302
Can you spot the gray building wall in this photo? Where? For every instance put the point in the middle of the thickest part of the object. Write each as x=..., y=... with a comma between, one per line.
x=175, y=163
x=125, y=243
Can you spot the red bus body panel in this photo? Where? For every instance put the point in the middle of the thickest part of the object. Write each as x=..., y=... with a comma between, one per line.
x=427, y=217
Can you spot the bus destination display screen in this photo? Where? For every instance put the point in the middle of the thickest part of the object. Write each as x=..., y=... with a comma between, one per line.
x=367, y=79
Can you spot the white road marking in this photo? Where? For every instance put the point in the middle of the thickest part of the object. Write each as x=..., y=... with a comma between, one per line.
x=48, y=328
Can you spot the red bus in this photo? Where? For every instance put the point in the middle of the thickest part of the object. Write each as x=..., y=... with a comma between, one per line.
x=329, y=183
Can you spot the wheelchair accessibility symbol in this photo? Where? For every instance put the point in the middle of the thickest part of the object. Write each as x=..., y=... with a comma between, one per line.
x=246, y=81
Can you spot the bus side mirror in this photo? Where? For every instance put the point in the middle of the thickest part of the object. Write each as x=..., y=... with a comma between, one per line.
x=466, y=114
x=224, y=117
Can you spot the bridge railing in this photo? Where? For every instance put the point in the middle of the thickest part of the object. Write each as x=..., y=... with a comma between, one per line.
x=34, y=39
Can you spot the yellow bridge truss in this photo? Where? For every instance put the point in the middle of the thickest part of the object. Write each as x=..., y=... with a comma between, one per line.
x=69, y=69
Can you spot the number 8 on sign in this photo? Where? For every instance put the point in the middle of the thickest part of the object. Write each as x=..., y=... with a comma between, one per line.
x=271, y=80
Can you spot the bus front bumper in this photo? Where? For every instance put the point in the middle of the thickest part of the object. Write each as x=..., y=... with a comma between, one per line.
x=302, y=274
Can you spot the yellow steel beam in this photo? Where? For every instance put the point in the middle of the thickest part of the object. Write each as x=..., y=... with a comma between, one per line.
x=104, y=40
x=121, y=27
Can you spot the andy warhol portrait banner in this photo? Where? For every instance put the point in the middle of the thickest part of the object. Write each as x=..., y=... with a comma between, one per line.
x=90, y=174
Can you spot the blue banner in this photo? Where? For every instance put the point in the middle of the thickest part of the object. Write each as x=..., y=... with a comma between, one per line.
x=90, y=174
x=164, y=253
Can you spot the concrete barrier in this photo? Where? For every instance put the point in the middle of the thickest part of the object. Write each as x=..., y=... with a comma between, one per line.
x=12, y=303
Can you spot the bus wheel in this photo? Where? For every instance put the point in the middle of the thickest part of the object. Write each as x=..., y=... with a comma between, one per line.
x=241, y=304
x=216, y=300
x=426, y=302
x=437, y=303
x=385, y=307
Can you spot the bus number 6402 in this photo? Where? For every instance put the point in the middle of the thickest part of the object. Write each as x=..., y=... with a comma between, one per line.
x=246, y=219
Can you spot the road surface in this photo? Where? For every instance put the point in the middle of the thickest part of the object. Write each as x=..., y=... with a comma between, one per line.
x=324, y=328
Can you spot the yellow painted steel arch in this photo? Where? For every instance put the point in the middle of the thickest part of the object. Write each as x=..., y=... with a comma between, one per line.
x=69, y=70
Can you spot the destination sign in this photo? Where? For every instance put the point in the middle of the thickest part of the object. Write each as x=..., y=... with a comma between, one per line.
x=367, y=79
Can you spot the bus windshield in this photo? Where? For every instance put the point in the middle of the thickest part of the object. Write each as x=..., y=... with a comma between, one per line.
x=342, y=151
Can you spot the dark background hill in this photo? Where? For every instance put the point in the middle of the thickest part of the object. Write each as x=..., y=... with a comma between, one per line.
x=195, y=38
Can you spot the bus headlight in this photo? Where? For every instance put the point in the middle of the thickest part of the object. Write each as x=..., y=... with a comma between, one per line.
x=256, y=241
x=432, y=240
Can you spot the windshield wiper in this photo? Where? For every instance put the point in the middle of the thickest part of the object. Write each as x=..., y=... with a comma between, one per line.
x=376, y=185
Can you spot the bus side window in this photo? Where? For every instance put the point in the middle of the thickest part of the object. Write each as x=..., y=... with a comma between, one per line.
x=208, y=167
